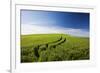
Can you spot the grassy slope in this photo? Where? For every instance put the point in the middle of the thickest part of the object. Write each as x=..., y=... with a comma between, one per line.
x=74, y=48
x=28, y=40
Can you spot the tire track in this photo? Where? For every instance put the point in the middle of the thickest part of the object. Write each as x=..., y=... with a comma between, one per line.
x=46, y=46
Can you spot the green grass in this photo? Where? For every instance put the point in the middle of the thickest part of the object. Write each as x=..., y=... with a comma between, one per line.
x=53, y=47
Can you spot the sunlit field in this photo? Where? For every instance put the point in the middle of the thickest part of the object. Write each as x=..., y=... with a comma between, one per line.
x=53, y=47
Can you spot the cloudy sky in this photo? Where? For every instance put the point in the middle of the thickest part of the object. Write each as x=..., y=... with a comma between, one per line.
x=43, y=22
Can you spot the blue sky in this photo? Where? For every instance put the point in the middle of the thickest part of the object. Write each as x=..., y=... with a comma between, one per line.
x=34, y=22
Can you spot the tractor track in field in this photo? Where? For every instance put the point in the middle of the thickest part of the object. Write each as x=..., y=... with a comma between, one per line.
x=48, y=45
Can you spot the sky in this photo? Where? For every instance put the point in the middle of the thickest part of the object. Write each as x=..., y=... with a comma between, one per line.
x=43, y=22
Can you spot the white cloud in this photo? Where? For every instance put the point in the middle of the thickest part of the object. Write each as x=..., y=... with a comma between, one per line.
x=37, y=29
